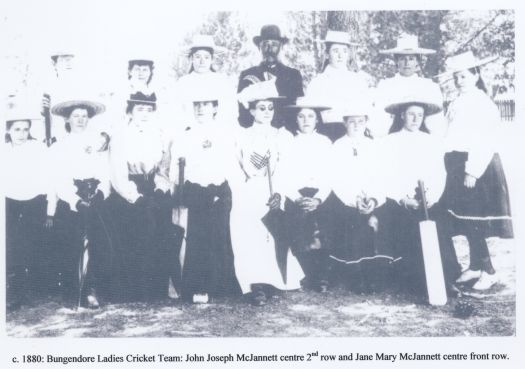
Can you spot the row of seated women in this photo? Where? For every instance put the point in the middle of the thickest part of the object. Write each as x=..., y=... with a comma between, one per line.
x=266, y=210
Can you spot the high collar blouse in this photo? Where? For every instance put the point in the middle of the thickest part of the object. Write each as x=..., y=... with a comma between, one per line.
x=473, y=127
x=209, y=153
x=358, y=169
x=26, y=170
x=306, y=163
x=415, y=156
x=79, y=159
x=335, y=88
x=138, y=151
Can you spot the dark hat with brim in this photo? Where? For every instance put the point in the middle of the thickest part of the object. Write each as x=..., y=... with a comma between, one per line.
x=143, y=99
x=270, y=32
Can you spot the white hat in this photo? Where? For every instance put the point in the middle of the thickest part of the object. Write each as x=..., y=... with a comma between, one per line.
x=204, y=41
x=338, y=37
x=63, y=108
x=429, y=98
x=265, y=90
x=307, y=102
x=18, y=113
x=464, y=61
x=356, y=107
x=408, y=45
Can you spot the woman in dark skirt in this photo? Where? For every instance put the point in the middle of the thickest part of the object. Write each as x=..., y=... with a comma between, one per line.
x=209, y=159
x=476, y=194
x=25, y=185
x=141, y=205
x=363, y=258
x=307, y=185
x=415, y=156
x=81, y=223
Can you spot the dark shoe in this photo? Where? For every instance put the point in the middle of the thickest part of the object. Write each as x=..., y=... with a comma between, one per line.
x=258, y=298
x=323, y=286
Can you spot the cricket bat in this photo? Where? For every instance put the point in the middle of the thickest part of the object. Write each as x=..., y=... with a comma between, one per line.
x=437, y=292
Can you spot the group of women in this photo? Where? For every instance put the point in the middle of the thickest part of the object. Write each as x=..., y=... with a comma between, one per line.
x=267, y=209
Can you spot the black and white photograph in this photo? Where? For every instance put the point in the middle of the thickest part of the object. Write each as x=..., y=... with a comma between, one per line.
x=207, y=173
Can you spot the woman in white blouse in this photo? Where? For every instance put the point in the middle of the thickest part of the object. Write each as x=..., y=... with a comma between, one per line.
x=259, y=267
x=208, y=149
x=81, y=183
x=337, y=84
x=363, y=255
x=141, y=205
x=415, y=155
x=306, y=185
x=25, y=184
x=202, y=75
x=477, y=194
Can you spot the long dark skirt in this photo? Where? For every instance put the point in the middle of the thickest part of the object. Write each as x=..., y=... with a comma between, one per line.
x=208, y=264
x=72, y=232
x=486, y=205
x=364, y=258
x=24, y=238
x=140, y=269
x=310, y=239
x=410, y=270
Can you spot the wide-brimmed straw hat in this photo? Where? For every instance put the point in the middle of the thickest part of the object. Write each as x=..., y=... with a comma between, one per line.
x=64, y=108
x=464, y=61
x=204, y=42
x=429, y=99
x=307, y=102
x=17, y=113
x=338, y=37
x=407, y=45
x=270, y=32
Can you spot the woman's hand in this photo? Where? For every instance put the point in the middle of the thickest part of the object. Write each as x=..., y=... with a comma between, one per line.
x=366, y=205
x=308, y=204
x=410, y=203
x=49, y=222
x=274, y=202
x=470, y=181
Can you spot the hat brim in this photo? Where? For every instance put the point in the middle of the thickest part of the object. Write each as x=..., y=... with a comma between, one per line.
x=64, y=107
x=430, y=108
x=467, y=66
x=308, y=106
x=217, y=50
x=276, y=98
x=349, y=43
x=398, y=51
x=257, y=40
x=143, y=102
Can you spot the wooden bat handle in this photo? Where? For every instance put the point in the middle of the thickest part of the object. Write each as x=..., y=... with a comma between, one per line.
x=423, y=198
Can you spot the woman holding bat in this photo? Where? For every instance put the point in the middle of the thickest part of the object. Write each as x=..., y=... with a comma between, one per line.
x=81, y=184
x=210, y=161
x=263, y=262
x=415, y=155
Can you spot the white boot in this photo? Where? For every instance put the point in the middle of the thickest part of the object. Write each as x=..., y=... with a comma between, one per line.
x=485, y=281
x=468, y=275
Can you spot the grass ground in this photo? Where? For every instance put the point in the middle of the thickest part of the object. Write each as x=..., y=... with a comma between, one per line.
x=338, y=313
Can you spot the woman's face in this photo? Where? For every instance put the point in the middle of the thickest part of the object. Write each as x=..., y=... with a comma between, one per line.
x=306, y=120
x=407, y=65
x=413, y=117
x=204, y=111
x=142, y=113
x=78, y=120
x=355, y=125
x=19, y=132
x=201, y=61
x=64, y=63
x=263, y=112
x=140, y=73
x=465, y=81
x=338, y=55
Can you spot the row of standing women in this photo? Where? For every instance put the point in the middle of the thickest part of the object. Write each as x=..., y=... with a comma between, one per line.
x=267, y=210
